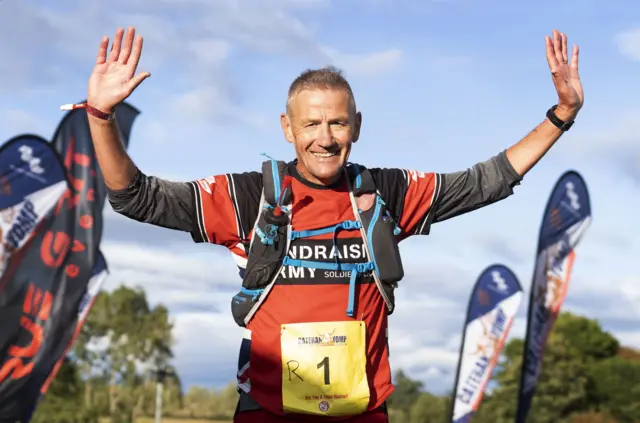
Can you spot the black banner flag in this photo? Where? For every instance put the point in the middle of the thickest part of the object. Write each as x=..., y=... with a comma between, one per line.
x=59, y=263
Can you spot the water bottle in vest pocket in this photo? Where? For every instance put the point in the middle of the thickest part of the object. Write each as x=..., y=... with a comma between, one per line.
x=268, y=248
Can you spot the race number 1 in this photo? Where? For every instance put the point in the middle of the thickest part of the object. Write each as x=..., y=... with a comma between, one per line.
x=324, y=368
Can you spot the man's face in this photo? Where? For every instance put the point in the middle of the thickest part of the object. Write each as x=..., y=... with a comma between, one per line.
x=321, y=124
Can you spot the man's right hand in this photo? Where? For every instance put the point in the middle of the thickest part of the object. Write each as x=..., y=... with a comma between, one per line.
x=113, y=78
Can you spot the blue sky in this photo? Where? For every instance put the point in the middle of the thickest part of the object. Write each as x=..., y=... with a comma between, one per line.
x=441, y=85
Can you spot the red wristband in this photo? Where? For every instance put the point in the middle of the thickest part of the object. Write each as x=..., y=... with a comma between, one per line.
x=99, y=114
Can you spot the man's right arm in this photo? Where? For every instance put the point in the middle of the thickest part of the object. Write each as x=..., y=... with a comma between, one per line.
x=134, y=194
x=117, y=167
x=219, y=209
x=156, y=201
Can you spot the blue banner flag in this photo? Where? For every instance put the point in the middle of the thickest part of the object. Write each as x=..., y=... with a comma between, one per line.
x=494, y=302
x=566, y=218
x=32, y=180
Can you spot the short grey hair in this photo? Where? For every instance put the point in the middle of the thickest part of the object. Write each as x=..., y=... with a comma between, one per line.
x=328, y=77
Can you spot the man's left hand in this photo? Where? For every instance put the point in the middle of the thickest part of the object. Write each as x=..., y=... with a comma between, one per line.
x=565, y=75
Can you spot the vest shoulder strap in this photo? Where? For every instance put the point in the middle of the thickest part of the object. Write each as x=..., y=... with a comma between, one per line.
x=362, y=181
x=273, y=176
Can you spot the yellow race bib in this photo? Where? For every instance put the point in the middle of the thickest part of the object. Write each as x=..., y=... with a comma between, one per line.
x=324, y=368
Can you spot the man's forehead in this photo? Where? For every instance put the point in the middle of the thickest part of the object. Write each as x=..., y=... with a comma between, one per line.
x=335, y=99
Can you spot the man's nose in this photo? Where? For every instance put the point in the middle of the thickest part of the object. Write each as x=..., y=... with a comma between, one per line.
x=324, y=138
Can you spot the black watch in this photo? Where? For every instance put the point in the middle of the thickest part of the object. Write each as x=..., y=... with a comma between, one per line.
x=560, y=124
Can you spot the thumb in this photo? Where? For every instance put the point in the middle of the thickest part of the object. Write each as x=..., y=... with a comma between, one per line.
x=137, y=80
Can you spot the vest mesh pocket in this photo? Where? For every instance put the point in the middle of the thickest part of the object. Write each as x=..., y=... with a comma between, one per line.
x=265, y=259
x=243, y=302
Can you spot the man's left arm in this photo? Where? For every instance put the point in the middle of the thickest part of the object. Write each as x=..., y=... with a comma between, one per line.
x=419, y=199
x=461, y=192
x=434, y=197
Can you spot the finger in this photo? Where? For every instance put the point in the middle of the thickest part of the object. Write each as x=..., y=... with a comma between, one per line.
x=574, y=61
x=126, y=48
x=565, y=50
x=551, y=55
x=135, y=55
x=102, y=50
x=137, y=80
x=557, y=45
x=115, y=47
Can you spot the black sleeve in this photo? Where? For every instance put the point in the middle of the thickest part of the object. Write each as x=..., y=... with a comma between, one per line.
x=245, y=190
x=156, y=201
x=483, y=184
x=392, y=184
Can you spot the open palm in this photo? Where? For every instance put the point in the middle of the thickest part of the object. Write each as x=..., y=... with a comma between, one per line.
x=564, y=72
x=113, y=79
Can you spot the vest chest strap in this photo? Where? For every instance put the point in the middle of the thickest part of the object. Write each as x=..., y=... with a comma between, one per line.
x=346, y=225
x=355, y=268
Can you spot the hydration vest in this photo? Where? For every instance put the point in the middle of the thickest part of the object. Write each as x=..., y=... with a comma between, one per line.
x=273, y=233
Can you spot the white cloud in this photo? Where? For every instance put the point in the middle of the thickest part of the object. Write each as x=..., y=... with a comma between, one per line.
x=593, y=141
x=628, y=43
x=157, y=268
x=206, y=347
x=630, y=288
x=366, y=64
x=210, y=51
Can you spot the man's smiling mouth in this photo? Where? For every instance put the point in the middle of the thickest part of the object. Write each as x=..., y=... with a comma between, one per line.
x=325, y=154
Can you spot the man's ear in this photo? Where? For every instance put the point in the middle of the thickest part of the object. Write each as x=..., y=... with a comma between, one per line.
x=285, y=122
x=356, y=129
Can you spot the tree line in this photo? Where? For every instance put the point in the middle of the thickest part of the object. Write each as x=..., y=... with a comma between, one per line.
x=588, y=376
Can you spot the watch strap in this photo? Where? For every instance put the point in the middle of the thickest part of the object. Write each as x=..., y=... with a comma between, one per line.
x=557, y=122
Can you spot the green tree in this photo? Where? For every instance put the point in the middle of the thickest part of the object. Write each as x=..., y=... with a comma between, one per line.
x=429, y=408
x=616, y=388
x=227, y=401
x=122, y=339
x=406, y=392
x=196, y=402
x=586, y=336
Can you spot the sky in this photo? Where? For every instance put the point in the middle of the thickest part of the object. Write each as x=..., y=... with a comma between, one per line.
x=441, y=84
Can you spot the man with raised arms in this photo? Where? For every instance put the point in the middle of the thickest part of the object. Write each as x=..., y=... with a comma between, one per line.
x=322, y=232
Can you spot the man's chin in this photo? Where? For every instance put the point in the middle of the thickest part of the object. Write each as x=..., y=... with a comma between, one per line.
x=325, y=174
